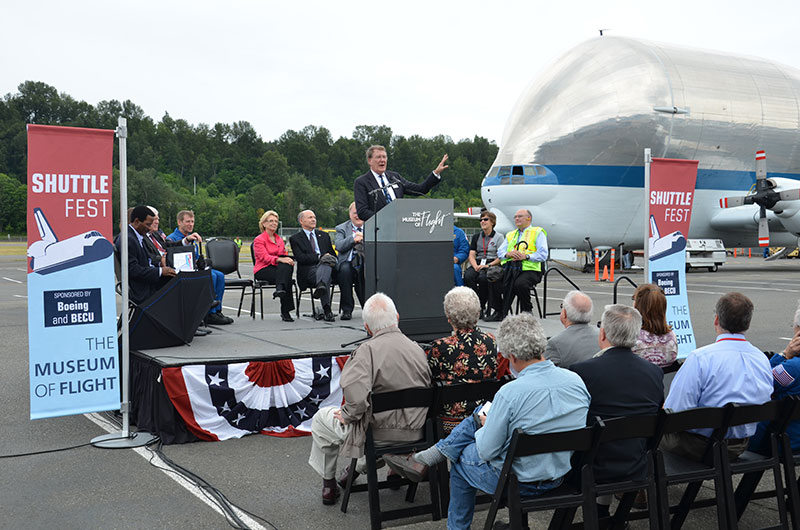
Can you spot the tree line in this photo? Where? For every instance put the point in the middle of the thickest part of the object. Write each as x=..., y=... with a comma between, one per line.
x=227, y=173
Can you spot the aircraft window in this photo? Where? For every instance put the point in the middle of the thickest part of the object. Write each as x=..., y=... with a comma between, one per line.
x=517, y=170
x=504, y=171
x=493, y=171
x=540, y=170
x=504, y=180
x=530, y=170
x=517, y=180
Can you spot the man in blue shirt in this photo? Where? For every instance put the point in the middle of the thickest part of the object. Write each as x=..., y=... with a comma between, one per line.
x=460, y=253
x=544, y=398
x=185, y=228
x=729, y=371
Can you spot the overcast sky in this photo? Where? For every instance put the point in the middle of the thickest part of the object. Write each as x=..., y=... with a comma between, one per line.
x=421, y=67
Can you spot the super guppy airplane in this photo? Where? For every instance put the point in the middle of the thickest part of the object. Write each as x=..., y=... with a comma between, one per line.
x=573, y=147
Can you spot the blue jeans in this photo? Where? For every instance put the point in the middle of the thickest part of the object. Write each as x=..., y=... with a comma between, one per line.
x=218, y=280
x=469, y=473
x=457, y=274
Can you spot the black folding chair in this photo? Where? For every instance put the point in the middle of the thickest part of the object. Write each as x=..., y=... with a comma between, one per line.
x=790, y=460
x=260, y=285
x=224, y=254
x=671, y=469
x=448, y=394
x=563, y=499
x=383, y=402
x=753, y=465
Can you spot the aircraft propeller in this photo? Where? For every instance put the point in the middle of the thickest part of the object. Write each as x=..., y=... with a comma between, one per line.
x=765, y=196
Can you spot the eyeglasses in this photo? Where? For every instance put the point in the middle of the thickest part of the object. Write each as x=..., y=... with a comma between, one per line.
x=484, y=218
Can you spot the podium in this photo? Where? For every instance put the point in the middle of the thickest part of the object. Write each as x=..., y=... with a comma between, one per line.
x=408, y=255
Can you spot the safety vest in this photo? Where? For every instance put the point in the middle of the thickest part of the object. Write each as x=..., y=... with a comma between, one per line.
x=528, y=236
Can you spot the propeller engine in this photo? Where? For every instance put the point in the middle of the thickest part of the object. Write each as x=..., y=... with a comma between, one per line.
x=765, y=196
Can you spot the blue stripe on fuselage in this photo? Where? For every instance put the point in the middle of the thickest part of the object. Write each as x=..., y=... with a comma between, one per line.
x=633, y=177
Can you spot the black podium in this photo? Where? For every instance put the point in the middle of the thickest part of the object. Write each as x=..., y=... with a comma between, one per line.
x=408, y=255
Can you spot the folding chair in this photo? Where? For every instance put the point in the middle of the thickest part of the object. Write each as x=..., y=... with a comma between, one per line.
x=564, y=499
x=383, y=402
x=300, y=290
x=224, y=254
x=260, y=285
x=753, y=465
x=790, y=460
x=671, y=469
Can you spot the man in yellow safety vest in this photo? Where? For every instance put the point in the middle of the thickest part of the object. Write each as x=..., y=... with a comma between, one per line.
x=521, y=255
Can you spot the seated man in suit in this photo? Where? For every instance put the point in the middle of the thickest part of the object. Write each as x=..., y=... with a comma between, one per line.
x=315, y=259
x=184, y=229
x=145, y=276
x=350, y=262
x=156, y=243
x=621, y=384
x=369, y=201
x=578, y=341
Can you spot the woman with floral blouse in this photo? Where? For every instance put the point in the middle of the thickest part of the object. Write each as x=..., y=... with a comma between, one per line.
x=656, y=342
x=466, y=356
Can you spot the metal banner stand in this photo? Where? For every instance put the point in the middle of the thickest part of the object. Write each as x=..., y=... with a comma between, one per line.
x=125, y=439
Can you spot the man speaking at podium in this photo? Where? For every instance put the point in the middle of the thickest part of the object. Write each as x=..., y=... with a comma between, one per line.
x=377, y=187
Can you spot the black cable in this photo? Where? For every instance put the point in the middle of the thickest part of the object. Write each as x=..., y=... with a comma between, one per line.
x=47, y=451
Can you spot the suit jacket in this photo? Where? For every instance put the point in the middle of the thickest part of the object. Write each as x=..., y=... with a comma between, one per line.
x=143, y=278
x=344, y=241
x=365, y=203
x=621, y=384
x=304, y=255
x=573, y=344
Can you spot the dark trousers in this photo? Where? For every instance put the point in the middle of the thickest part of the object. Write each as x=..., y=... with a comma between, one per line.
x=490, y=293
x=693, y=446
x=349, y=278
x=518, y=283
x=281, y=276
x=310, y=276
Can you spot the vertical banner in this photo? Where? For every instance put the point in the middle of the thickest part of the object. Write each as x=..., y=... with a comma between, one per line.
x=72, y=332
x=670, y=196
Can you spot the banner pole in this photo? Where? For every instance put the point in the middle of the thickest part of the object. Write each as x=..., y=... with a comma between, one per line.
x=125, y=438
x=647, y=160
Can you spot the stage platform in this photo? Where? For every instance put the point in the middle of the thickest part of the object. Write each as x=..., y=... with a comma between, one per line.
x=255, y=375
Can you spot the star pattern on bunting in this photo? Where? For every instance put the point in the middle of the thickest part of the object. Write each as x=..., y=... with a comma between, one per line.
x=323, y=372
x=239, y=417
x=301, y=411
x=215, y=379
x=225, y=407
x=316, y=400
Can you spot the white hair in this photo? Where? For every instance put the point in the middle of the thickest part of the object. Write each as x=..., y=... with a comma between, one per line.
x=797, y=316
x=578, y=307
x=462, y=307
x=379, y=312
x=621, y=324
x=522, y=336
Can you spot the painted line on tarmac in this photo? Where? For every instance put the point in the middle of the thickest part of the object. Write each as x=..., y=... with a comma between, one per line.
x=20, y=296
x=160, y=464
x=746, y=287
x=11, y=280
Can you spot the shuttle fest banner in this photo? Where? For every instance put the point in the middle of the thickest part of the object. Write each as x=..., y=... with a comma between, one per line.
x=72, y=332
x=670, y=195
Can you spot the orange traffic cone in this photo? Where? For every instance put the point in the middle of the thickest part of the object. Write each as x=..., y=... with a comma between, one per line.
x=605, y=273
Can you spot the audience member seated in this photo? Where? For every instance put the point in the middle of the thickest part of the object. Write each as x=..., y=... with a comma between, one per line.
x=460, y=253
x=350, y=262
x=621, y=384
x=656, y=342
x=273, y=264
x=484, y=274
x=387, y=361
x=466, y=356
x=578, y=340
x=786, y=375
x=315, y=261
x=544, y=398
x=185, y=228
x=729, y=371
x=144, y=275
x=522, y=253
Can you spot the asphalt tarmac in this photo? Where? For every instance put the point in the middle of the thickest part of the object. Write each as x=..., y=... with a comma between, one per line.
x=87, y=487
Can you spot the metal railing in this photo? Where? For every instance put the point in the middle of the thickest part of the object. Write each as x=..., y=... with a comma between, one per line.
x=616, y=283
x=544, y=312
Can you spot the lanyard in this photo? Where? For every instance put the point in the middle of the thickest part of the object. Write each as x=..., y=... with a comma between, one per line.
x=483, y=238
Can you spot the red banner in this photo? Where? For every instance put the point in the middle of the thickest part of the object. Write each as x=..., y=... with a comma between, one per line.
x=69, y=179
x=671, y=195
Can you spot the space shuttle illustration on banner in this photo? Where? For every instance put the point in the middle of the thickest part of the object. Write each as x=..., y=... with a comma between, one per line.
x=50, y=255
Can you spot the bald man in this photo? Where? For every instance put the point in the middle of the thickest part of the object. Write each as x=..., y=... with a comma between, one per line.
x=578, y=341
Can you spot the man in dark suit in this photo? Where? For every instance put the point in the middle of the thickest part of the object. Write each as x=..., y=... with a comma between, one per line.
x=315, y=259
x=350, y=262
x=395, y=186
x=621, y=384
x=144, y=276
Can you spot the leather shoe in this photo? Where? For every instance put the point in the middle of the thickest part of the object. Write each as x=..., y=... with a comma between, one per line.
x=343, y=478
x=347, y=316
x=319, y=315
x=278, y=293
x=286, y=317
x=217, y=319
x=494, y=317
x=407, y=466
x=319, y=291
x=330, y=491
x=329, y=317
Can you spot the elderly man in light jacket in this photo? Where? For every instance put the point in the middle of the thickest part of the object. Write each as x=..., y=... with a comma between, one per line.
x=387, y=361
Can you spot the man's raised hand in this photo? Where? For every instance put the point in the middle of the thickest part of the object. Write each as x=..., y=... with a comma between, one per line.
x=442, y=166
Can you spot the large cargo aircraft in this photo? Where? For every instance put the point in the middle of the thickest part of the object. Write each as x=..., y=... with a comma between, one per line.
x=573, y=148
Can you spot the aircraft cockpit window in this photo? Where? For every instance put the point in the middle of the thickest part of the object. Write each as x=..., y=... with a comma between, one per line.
x=504, y=171
x=517, y=170
x=493, y=171
x=530, y=171
x=505, y=180
x=517, y=180
x=540, y=170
